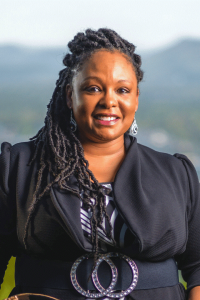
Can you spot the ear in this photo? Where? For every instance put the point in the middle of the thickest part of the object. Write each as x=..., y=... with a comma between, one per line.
x=69, y=96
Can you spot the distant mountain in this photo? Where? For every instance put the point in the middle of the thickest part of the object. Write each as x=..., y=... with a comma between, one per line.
x=178, y=65
x=22, y=64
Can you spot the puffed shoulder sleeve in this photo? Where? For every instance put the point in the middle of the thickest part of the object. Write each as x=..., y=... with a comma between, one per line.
x=189, y=261
x=7, y=211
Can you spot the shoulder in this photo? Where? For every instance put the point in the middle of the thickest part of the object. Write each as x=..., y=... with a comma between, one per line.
x=155, y=159
x=11, y=156
x=14, y=162
x=176, y=165
x=17, y=149
x=160, y=157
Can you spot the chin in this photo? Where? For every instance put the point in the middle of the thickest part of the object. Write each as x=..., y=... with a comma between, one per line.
x=108, y=136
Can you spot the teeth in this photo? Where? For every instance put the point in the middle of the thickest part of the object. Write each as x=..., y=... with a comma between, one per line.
x=106, y=118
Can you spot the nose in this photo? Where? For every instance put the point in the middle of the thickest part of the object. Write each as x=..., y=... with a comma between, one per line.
x=108, y=100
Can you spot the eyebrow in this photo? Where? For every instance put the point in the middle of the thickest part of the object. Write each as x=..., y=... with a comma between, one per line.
x=124, y=80
x=92, y=77
x=98, y=79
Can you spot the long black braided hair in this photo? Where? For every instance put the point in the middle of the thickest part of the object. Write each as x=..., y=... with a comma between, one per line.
x=58, y=149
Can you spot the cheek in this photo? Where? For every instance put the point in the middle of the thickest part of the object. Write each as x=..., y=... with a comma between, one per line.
x=82, y=113
x=133, y=105
x=129, y=107
x=81, y=104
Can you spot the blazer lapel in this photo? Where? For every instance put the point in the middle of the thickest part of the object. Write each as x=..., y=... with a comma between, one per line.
x=68, y=207
x=127, y=187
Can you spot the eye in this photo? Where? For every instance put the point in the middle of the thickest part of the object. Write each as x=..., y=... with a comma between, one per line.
x=93, y=89
x=123, y=91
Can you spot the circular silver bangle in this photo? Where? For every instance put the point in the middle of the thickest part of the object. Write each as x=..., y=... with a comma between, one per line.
x=95, y=279
x=133, y=284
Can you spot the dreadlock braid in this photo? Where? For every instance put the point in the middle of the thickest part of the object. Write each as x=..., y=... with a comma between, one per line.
x=58, y=148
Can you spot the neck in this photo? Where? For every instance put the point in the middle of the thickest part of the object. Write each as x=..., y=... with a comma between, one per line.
x=100, y=149
x=104, y=158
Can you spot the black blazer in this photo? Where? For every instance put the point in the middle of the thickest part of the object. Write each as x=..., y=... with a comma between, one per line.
x=157, y=194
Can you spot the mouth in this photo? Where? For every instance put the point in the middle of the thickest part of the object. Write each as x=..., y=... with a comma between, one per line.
x=106, y=119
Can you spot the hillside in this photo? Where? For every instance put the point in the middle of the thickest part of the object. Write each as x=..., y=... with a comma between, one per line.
x=178, y=65
x=22, y=65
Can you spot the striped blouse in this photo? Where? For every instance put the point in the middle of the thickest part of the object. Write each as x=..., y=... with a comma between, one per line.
x=120, y=231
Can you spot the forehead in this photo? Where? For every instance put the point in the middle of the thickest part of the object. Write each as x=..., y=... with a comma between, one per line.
x=107, y=65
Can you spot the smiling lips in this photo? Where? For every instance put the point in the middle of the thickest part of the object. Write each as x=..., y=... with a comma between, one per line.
x=106, y=119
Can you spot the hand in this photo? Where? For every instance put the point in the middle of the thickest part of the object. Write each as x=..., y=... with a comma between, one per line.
x=194, y=293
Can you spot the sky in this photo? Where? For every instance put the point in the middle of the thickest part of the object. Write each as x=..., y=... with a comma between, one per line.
x=149, y=24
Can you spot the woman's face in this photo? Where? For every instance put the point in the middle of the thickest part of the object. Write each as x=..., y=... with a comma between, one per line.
x=104, y=97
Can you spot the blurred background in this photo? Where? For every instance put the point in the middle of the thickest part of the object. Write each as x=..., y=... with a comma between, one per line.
x=33, y=41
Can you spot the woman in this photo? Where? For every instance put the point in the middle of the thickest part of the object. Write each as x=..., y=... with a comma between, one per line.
x=83, y=185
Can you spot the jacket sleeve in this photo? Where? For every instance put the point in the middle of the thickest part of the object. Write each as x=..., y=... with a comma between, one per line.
x=7, y=212
x=189, y=261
